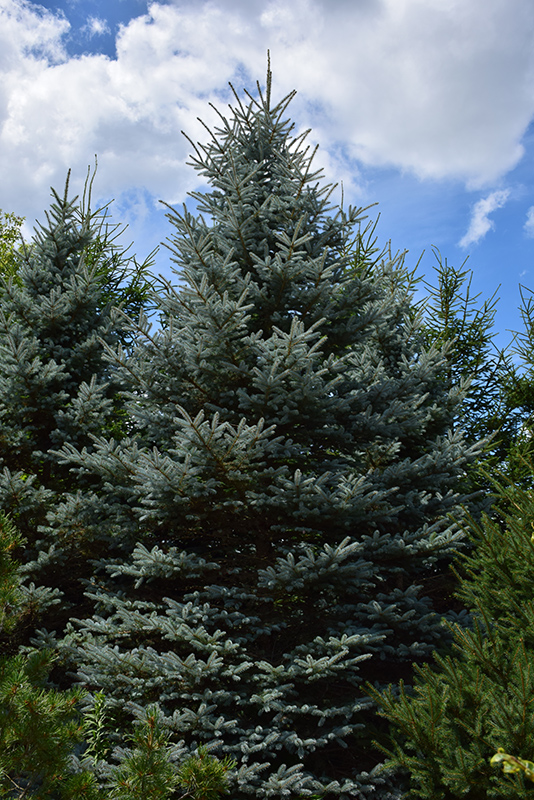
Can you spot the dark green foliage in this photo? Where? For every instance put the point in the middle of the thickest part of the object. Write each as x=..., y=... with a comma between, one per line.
x=463, y=325
x=10, y=595
x=467, y=705
x=281, y=495
x=38, y=730
x=147, y=774
x=518, y=391
x=203, y=776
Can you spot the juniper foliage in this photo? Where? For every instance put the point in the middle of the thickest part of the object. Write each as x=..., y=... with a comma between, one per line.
x=281, y=493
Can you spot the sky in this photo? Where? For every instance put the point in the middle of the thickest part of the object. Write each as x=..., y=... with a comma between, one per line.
x=425, y=107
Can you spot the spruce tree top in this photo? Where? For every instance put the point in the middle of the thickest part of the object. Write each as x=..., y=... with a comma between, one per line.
x=269, y=231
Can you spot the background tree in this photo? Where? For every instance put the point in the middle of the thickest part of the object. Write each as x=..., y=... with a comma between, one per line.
x=464, y=325
x=283, y=488
x=10, y=228
x=57, y=307
x=518, y=392
x=467, y=705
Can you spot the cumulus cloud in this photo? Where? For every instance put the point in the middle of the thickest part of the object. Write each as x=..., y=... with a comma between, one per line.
x=480, y=222
x=442, y=90
x=29, y=33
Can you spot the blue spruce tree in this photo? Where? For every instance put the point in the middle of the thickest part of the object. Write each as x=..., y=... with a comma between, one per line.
x=58, y=306
x=282, y=488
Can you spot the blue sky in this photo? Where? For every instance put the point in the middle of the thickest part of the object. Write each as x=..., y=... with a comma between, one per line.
x=424, y=107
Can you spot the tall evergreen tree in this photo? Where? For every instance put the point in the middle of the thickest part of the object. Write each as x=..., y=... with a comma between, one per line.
x=284, y=484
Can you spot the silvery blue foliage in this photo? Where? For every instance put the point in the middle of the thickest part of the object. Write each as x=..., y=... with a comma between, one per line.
x=57, y=310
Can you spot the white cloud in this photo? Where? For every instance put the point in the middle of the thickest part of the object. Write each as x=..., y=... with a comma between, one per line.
x=529, y=223
x=95, y=26
x=443, y=90
x=480, y=223
x=29, y=33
